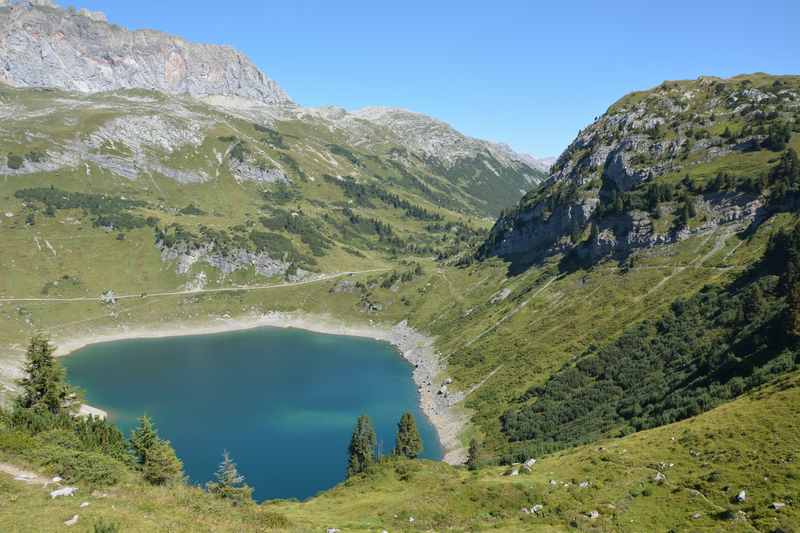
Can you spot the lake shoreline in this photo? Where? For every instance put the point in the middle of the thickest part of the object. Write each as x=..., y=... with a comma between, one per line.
x=415, y=347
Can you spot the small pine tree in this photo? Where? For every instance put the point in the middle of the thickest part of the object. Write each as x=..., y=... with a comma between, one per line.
x=793, y=311
x=685, y=214
x=161, y=465
x=44, y=385
x=408, y=442
x=619, y=204
x=143, y=438
x=473, y=455
x=361, y=452
x=594, y=233
x=229, y=483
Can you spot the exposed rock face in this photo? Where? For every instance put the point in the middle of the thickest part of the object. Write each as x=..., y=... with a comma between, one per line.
x=668, y=130
x=44, y=46
x=227, y=263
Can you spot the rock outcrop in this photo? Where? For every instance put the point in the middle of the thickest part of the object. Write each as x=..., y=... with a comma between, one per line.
x=42, y=45
x=619, y=185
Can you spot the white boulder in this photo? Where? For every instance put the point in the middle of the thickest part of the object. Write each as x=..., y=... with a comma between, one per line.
x=66, y=491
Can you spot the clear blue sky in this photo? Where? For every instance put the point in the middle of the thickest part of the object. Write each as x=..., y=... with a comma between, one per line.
x=524, y=72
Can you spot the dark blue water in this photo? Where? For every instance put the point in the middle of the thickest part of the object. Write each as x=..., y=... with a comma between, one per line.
x=283, y=402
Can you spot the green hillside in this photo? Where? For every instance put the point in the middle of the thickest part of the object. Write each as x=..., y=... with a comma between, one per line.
x=633, y=318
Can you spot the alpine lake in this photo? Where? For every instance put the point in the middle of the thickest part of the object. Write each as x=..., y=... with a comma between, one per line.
x=282, y=402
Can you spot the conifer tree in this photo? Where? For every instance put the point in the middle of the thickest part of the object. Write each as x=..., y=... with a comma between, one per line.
x=408, y=443
x=230, y=483
x=361, y=452
x=143, y=438
x=44, y=385
x=793, y=310
x=473, y=454
x=161, y=465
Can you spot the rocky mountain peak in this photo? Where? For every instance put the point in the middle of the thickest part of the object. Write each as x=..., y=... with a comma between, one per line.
x=42, y=45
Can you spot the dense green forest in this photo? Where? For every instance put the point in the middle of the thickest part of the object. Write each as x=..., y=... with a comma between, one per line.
x=706, y=350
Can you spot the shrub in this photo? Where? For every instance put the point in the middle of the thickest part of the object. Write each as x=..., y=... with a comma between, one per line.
x=78, y=466
x=14, y=161
x=272, y=520
x=106, y=527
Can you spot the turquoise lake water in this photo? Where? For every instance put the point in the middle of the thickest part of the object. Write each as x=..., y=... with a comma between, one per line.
x=283, y=402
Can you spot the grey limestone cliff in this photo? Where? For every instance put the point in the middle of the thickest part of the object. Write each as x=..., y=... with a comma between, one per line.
x=42, y=45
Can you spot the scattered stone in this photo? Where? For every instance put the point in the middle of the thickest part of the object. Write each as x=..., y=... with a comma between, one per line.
x=529, y=464
x=697, y=516
x=500, y=296
x=333, y=530
x=66, y=491
x=514, y=471
x=344, y=286
x=593, y=514
x=742, y=496
x=525, y=510
x=411, y=519
x=56, y=479
x=584, y=484
x=84, y=504
x=72, y=521
x=553, y=482
x=777, y=505
x=108, y=297
x=659, y=477
x=536, y=509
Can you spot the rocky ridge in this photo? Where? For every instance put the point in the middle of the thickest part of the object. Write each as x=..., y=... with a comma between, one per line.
x=42, y=45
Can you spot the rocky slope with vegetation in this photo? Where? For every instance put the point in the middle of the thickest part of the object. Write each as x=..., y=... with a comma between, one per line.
x=657, y=167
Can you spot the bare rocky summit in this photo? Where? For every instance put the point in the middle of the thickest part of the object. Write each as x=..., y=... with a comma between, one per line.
x=42, y=45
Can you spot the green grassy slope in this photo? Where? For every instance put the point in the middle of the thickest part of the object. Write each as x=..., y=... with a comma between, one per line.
x=748, y=444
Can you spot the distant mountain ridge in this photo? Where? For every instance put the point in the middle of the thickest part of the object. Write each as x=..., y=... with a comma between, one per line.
x=42, y=45
x=45, y=46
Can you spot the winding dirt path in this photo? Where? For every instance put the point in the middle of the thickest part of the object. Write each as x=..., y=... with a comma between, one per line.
x=142, y=295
